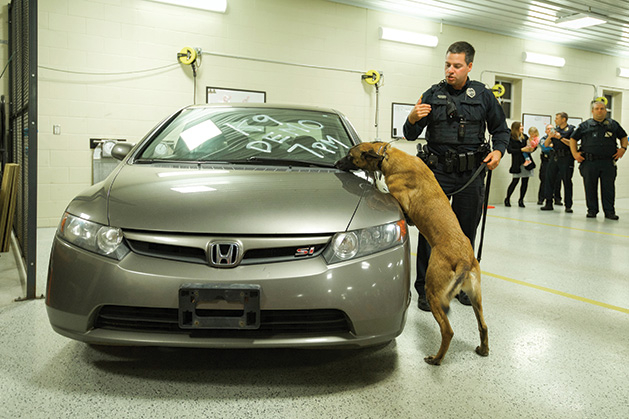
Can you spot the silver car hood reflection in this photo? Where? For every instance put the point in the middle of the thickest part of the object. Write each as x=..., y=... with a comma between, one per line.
x=268, y=201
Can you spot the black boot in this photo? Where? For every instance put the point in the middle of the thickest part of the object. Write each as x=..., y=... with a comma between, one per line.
x=422, y=302
x=507, y=203
x=521, y=203
x=548, y=206
x=463, y=299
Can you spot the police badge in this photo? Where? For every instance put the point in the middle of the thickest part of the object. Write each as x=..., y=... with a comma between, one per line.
x=471, y=92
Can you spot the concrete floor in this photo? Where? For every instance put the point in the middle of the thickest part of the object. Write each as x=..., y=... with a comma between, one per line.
x=556, y=299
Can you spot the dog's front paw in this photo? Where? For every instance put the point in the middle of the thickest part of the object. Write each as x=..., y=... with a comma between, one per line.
x=482, y=351
x=432, y=360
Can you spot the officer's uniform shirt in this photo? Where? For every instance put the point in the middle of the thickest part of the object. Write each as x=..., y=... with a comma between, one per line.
x=545, y=150
x=558, y=145
x=599, y=138
x=473, y=101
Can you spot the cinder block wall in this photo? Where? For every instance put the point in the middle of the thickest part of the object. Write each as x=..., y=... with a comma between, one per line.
x=99, y=44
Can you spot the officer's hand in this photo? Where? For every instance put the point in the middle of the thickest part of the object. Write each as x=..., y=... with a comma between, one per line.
x=579, y=157
x=420, y=111
x=619, y=153
x=493, y=159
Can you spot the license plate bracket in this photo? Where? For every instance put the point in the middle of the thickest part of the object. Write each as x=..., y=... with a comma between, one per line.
x=219, y=306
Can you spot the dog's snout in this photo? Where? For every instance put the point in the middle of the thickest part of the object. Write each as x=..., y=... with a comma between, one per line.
x=345, y=164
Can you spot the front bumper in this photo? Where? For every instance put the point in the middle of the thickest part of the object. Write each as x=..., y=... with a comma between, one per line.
x=372, y=294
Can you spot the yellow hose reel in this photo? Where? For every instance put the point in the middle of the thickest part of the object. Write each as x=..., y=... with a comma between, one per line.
x=371, y=77
x=601, y=99
x=498, y=90
x=187, y=55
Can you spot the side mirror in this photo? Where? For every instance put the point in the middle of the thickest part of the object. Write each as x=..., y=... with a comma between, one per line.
x=120, y=150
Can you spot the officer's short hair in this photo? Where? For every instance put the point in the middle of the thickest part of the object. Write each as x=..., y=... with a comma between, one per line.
x=594, y=102
x=462, y=47
x=563, y=115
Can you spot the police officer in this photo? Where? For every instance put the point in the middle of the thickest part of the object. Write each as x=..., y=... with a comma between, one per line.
x=562, y=164
x=598, y=156
x=546, y=156
x=456, y=113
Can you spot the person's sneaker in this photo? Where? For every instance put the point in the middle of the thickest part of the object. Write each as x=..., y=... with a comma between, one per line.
x=591, y=215
x=547, y=207
x=463, y=299
x=612, y=216
x=422, y=303
x=558, y=202
x=569, y=210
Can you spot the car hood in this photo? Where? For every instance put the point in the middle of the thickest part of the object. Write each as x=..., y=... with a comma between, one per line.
x=239, y=200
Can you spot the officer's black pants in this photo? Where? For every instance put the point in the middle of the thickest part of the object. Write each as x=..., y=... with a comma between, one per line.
x=560, y=168
x=468, y=207
x=592, y=171
x=541, y=194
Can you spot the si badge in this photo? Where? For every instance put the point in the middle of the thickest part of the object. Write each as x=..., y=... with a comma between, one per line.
x=471, y=92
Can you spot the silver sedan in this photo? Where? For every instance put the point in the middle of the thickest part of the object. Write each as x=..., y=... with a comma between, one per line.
x=228, y=226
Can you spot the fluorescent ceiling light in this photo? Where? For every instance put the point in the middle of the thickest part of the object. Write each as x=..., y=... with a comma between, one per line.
x=406, y=37
x=210, y=5
x=532, y=57
x=578, y=21
x=623, y=72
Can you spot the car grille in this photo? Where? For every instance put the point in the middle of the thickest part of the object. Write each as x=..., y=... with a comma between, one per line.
x=192, y=249
x=272, y=322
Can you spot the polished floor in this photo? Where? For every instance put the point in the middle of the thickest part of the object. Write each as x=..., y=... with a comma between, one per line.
x=556, y=298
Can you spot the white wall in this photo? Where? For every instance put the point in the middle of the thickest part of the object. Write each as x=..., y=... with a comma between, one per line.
x=113, y=36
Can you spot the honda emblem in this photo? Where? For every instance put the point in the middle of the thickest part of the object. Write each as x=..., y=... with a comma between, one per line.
x=224, y=254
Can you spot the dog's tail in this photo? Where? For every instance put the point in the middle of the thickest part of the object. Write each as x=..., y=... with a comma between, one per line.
x=460, y=274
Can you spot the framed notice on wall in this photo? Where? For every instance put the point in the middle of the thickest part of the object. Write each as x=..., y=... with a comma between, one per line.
x=574, y=121
x=538, y=121
x=222, y=95
x=399, y=113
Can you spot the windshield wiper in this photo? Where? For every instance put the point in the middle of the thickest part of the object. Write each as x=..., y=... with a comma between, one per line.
x=284, y=162
x=151, y=161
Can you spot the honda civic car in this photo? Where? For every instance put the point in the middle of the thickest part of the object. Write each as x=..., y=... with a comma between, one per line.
x=228, y=226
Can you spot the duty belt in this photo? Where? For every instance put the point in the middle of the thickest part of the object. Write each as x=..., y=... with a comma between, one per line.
x=455, y=162
x=562, y=153
x=592, y=157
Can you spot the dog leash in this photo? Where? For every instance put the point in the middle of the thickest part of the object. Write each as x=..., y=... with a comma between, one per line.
x=485, y=207
x=474, y=176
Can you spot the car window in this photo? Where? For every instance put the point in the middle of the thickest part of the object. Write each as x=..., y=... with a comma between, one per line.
x=237, y=134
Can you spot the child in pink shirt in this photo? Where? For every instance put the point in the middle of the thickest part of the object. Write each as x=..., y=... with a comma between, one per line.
x=533, y=142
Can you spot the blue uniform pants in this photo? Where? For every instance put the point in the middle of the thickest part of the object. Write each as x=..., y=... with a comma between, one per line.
x=560, y=168
x=605, y=171
x=468, y=207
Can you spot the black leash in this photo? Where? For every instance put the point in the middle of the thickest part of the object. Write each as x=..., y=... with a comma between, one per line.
x=474, y=176
x=485, y=206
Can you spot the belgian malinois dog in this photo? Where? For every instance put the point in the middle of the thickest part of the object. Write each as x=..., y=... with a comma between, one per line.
x=452, y=266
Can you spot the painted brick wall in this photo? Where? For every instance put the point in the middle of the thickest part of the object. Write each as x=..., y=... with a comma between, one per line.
x=117, y=36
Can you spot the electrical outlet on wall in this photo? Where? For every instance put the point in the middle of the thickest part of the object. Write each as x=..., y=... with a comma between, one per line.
x=56, y=129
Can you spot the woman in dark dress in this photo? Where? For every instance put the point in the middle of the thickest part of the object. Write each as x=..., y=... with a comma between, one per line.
x=518, y=145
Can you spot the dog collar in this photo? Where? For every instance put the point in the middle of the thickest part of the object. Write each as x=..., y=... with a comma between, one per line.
x=382, y=156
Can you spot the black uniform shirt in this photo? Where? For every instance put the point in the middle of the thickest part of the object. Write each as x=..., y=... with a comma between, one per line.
x=494, y=116
x=566, y=133
x=599, y=138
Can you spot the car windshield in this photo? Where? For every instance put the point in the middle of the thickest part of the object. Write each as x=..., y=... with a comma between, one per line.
x=250, y=135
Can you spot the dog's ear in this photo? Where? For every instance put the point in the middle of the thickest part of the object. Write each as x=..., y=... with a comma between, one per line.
x=371, y=154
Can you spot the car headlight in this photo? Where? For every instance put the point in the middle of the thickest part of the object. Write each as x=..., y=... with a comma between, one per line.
x=93, y=237
x=359, y=243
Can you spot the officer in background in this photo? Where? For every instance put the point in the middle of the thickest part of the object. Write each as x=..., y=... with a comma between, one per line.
x=456, y=113
x=598, y=156
x=562, y=163
x=546, y=156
